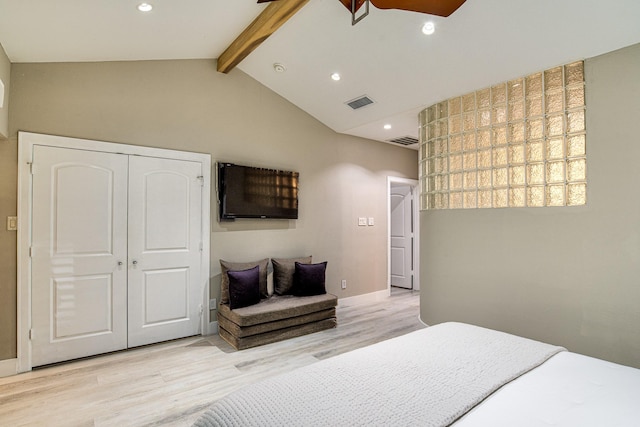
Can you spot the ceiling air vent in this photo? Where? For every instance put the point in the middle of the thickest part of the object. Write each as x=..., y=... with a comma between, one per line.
x=359, y=102
x=404, y=140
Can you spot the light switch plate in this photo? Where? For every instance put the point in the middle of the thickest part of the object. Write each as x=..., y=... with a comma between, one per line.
x=12, y=223
x=370, y=220
x=362, y=221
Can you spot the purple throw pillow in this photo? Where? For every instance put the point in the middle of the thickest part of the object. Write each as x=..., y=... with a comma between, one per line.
x=244, y=287
x=309, y=279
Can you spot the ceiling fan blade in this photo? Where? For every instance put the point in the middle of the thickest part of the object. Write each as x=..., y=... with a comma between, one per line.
x=431, y=7
x=347, y=4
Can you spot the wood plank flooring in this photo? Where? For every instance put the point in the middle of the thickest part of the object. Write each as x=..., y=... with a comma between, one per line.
x=171, y=384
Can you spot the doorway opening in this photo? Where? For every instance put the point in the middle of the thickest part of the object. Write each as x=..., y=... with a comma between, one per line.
x=402, y=234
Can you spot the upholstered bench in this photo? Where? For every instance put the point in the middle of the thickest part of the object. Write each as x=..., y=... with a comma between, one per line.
x=250, y=315
x=276, y=318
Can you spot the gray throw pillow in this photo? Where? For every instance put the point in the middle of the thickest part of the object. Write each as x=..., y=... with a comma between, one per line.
x=237, y=266
x=283, y=269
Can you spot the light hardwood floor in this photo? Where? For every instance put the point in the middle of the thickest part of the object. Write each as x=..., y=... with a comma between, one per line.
x=171, y=384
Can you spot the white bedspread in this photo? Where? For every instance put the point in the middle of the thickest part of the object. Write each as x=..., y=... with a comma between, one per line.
x=429, y=377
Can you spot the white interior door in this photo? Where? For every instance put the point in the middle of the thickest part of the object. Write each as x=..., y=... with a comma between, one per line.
x=165, y=243
x=78, y=254
x=401, y=236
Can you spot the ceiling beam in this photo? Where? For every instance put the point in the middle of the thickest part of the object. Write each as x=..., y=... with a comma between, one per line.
x=271, y=18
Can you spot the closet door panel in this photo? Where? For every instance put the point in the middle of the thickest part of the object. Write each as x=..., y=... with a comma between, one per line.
x=79, y=252
x=165, y=290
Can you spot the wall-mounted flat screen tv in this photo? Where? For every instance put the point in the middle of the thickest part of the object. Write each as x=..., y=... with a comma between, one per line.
x=250, y=192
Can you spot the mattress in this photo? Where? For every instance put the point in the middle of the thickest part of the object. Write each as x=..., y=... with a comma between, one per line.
x=567, y=390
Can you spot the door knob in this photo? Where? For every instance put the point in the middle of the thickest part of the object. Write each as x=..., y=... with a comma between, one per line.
x=120, y=263
x=134, y=262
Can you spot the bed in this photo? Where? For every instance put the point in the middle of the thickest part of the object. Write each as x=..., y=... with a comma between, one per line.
x=448, y=374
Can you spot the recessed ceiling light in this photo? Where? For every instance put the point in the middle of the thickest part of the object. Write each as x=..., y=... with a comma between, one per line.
x=145, y=7
x=428, y=28
x=387, y=126
x=335, y=76
x=279, y=68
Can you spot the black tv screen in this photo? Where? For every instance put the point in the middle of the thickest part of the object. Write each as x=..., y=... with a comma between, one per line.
x=250, y=192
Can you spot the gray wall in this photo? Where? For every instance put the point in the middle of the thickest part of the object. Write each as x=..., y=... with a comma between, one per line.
x=569, y=276
x=5, y=73
x=8, y=182
x=187, y=105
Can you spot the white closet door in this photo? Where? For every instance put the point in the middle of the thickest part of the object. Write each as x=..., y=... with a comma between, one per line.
x=79, y=253
x=165, y=287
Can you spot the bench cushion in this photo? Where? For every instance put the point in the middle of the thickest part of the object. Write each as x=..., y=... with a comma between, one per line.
x=278, y=307
x=261, y=328
x=279, y=335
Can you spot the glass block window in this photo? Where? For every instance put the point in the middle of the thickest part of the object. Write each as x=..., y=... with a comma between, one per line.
x=516, y=144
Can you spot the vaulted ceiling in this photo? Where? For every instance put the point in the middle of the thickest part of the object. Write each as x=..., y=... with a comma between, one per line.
x=385, y=57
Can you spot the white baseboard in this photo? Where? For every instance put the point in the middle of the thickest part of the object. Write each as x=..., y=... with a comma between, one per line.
x=8, y=367
x=420, y=319
x=364, y=298
x=212, y=329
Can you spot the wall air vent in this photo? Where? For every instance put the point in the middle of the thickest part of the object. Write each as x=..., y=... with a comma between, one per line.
x=404, y=140
x=359, y=102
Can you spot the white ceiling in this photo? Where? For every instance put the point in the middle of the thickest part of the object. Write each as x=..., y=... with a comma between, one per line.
x=385, y=56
